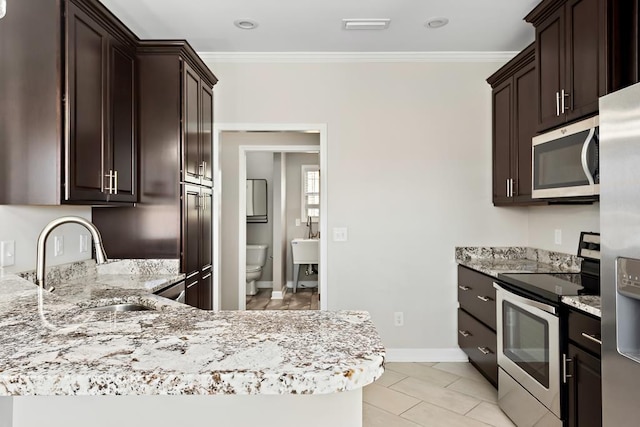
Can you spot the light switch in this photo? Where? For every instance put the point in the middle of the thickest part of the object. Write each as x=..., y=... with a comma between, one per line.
x=58, y=245
x=340, y=234
x=84, y=243
x=7, y=253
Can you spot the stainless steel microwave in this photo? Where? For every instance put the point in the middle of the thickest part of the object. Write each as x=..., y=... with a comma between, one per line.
x=565, y=161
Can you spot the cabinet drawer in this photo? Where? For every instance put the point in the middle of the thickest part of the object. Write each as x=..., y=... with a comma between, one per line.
x=584, y=330
x=479, y=343
x=477, y=296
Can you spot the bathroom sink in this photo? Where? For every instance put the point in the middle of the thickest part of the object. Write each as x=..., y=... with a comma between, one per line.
x=305, y=251
x=121, y=307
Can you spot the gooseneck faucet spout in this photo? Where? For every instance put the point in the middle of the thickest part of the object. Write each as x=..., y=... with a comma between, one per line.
x=101, y=256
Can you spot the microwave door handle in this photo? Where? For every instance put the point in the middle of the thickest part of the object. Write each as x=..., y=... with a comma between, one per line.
x=585, y=152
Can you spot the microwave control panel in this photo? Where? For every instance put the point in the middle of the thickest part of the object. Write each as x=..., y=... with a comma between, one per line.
x=628, y=277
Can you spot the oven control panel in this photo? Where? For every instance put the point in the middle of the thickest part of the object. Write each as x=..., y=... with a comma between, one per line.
x=628, y=277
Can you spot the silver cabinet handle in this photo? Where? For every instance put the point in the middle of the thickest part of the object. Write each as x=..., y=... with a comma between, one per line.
x=592, y=338
x=484, y=350
x=565, y=375
x=483, y=298
x=464, y=333
x=109, y=189
x=557, y=104
x=507, y=187
x=511, y=186
x=203, y=168
x=464, y=288
x=564, y=95
x=115, y=182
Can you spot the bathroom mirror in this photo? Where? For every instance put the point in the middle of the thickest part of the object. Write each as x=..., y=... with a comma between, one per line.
x=256, y=200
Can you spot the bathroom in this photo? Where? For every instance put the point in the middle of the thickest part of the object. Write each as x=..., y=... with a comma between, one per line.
x=296, y=221
x=276, y=157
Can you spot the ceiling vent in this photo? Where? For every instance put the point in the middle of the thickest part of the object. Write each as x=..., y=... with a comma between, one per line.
x=365, y=24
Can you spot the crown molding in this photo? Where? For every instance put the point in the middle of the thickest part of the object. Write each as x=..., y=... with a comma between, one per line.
x=311, y=57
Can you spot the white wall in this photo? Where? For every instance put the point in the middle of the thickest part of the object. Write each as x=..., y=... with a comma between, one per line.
x=571, y=220
x=409, y=174
x=23, y=225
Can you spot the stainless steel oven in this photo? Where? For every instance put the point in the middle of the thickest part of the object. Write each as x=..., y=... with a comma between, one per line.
x=528, y=359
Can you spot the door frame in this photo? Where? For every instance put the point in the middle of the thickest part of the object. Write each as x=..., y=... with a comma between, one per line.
x=321, y=129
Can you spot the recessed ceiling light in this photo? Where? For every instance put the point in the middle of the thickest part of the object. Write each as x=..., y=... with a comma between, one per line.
x=436, y=22
x=365, y=24
x=245, y=24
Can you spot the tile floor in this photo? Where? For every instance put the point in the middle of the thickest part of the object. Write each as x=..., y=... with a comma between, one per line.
x=303, y=299
x=431, y=394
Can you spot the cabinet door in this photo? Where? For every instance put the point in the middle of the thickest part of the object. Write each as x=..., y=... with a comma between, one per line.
x=190, y=125
x=87, y=95
x=192, y=292
x=585, y=389
x=205, y=290
x=123, y=142
x=502, y=133
x=586, y=60
x=524, y=122
x=550, y=63
x=190, y=229
x=206, y=135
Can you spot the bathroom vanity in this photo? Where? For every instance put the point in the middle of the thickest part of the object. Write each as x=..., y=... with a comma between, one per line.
x=64, y=365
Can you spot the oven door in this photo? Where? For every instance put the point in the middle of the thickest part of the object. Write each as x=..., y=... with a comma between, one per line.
x=529, y=345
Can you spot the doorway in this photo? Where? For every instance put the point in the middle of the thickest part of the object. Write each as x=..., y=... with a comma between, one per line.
x=230, y=292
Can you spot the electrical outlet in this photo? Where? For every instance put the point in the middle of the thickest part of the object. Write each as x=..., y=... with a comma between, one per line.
x=7, y=253
x=340, y=234
x=84, y=243
x=58, y=245
x=557, y=237
x=297, y=222
x=398, y=318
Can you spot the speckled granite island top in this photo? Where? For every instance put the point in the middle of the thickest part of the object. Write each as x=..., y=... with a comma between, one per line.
x=67, y=350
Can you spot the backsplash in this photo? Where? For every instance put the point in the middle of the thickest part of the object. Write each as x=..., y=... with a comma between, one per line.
x=557, y=259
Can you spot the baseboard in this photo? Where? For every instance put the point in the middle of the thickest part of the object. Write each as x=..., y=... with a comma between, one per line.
x=277, y=295
x=303, y=284
x=426, y=355
x=264, y=284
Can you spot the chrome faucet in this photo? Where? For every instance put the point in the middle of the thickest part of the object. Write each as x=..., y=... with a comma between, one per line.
x=101, y=256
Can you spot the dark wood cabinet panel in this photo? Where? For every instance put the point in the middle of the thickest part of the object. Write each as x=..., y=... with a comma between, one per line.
x=584, y=330
x=191, y=119
x=191, y=229
x=206, y=134
x=480, y=344
x=193, y=288
x=502, y=134
x=514, y=122
x=477, y=295
x=205, y=291
x=585, y=389
x=87, y=67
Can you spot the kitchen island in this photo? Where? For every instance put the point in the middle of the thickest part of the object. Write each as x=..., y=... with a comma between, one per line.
x=61, y=364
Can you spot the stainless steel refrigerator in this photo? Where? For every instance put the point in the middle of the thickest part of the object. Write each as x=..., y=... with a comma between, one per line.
x=620, y=264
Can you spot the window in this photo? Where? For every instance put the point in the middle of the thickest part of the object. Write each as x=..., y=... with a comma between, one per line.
x=310, y=192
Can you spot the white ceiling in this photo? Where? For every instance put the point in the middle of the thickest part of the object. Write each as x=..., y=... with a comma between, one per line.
x=316, y=26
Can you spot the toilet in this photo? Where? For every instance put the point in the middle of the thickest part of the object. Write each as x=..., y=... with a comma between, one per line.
x=256, y=258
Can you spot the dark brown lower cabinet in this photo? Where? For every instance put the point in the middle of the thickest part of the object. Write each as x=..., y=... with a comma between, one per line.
x=585, y=389
x=477, y=321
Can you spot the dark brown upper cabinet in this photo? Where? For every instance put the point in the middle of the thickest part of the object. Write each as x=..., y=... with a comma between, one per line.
x=578, y=56
x=101, y=143
x=514, y=122
x=67, y=127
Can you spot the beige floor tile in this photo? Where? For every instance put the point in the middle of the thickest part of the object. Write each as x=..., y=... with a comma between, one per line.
x=276, y=304
x=461, y=369
x=387, y=399
x=376, y=417
x=490, y=414
x=389, y=378
x=443, y=397
x=426, y=414
x=426, y=373
x=481, y=390
x=427, y=363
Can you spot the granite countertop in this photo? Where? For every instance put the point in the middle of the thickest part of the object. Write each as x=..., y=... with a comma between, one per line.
x=58, y=347
x=587, y=303
x=495, y=260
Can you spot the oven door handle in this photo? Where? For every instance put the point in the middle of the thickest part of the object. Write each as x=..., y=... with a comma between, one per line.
x=510, y=296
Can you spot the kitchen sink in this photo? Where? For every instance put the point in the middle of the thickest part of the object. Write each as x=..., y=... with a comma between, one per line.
x=121, y=307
